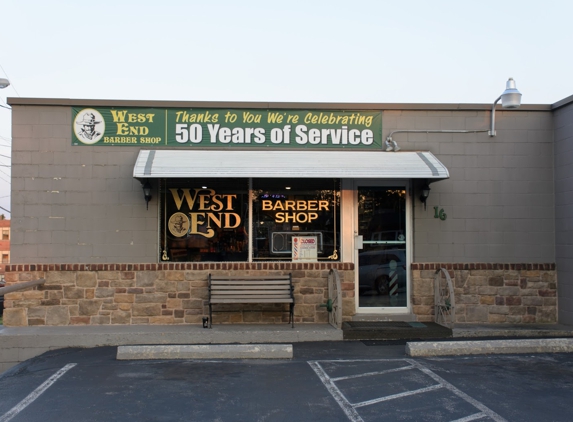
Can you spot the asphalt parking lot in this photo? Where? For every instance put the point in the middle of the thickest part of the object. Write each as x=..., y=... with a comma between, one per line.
x=334, y=381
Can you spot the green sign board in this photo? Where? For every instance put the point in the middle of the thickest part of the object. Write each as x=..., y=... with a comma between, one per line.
x=230, y=128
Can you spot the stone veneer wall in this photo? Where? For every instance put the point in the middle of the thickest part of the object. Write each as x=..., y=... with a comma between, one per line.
x=171, y=293
x=165, y=293
x=490, y=293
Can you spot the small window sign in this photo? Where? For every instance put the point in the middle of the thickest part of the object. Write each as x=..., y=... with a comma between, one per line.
x=304, y=248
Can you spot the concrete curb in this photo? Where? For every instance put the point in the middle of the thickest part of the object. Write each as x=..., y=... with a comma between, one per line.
x=505, y=332
x=17, y=344
x=483, y=347
x=210, y=351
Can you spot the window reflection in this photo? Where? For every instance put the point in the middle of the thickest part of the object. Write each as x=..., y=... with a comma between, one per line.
x=382, y=260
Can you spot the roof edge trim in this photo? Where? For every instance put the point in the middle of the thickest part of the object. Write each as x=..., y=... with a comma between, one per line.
x=70, y=102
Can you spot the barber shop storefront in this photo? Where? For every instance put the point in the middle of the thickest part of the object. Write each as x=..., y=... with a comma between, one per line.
x=126, y=208
x=287, y=187
x=297, y=209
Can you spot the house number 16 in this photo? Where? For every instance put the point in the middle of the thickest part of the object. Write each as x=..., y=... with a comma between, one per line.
x=440, y=214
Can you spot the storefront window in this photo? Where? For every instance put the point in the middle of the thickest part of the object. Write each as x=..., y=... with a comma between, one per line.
x=305, y=209
x=207, y=220
x=204, y=220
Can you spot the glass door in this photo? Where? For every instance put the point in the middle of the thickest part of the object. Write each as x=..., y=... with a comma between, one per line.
x=382, y=260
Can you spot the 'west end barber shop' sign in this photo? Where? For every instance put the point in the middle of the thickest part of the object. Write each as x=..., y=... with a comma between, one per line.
x=205, y=128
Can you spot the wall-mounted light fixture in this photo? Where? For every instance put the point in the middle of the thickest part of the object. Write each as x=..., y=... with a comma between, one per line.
x=147, y=192
x=391, y=144
x=424, y=193
x=4, y=83
x=511, y=98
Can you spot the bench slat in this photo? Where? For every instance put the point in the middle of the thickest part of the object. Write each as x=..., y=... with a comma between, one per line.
x=224, y=300
x=248, y=277
x=252, y=296
x=251, y=292
x=250, y=287
x=250, y=282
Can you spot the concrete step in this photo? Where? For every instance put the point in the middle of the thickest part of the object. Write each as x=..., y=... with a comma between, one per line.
x=384, y=317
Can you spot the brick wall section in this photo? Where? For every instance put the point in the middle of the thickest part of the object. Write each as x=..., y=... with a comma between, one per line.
x=490, y=293
x=130, y=294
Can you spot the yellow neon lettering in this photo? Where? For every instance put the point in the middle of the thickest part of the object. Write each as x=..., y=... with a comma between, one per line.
x=267, y=205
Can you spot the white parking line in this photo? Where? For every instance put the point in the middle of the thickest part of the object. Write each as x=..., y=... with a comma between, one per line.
x=350, y=408
x=486, y=410
x=347, y=408
x=473, y=417
x=367, y=374
x=398, y=396
x=36, y=393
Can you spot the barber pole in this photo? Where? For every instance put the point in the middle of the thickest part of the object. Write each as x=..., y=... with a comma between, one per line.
x=295, y=247
x=393, y=285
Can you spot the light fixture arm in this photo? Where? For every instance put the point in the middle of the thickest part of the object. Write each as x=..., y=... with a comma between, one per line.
x=510, y=99
x=491, y=131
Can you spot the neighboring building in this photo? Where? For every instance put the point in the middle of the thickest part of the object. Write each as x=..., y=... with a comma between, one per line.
x=4, y=245
x=236, y=187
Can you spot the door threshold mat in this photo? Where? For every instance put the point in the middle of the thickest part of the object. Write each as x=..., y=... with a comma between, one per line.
x=393, y=330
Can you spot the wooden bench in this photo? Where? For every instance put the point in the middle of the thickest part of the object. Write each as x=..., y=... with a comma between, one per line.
x=251, y=289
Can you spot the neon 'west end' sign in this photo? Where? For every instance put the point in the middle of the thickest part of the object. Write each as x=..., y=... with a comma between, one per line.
x=206, y=209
